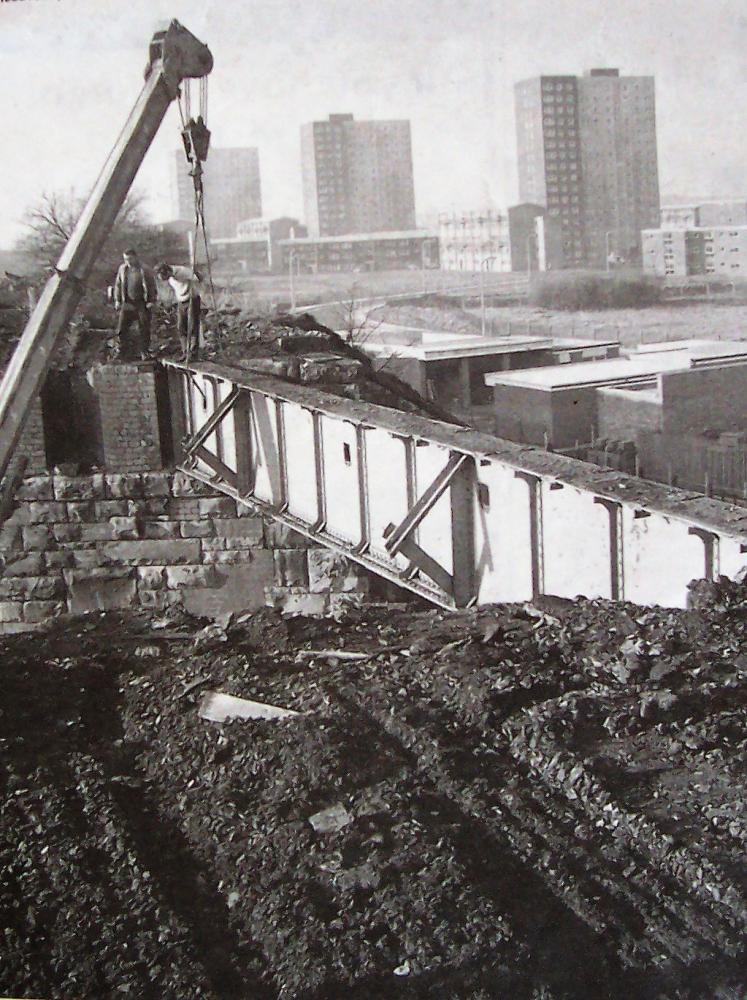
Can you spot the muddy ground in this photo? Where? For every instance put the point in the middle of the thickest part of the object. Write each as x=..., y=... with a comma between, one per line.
x=532, y=803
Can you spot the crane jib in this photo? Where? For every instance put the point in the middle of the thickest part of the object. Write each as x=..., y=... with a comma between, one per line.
x=175, y=55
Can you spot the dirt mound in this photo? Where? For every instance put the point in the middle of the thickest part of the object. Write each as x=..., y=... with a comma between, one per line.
x=517, y=801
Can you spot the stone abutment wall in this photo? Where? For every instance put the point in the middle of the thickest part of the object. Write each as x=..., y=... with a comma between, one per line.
x=153, y=540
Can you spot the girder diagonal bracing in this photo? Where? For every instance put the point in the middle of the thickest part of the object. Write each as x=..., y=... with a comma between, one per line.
x=453, y=515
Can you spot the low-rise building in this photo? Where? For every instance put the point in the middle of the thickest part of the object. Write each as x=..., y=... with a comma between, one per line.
x=412, y=249
x=690, y=385
x=523, y=238
x=468, y=241
x=729, y=212
x=255, y=247
x=451, y=369
x=679, y=216
x=720, y=250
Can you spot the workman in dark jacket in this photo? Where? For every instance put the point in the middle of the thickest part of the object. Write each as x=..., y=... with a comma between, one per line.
x=134, y=295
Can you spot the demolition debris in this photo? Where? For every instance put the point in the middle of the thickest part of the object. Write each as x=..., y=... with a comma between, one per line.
x=521, y=801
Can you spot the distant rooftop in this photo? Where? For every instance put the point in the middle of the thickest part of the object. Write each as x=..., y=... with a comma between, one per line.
x=403, y=234
x=642, y=367
x=437, y=345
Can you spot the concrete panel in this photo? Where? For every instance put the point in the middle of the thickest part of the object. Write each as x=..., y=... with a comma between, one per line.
x=660, y=558
x=386, y=461
x=299, y=445
x=503, y=560
x=574, y=416
x=434, y=533
x=699, y=399
x=341, y=479
x=264, y=448
x=576, y=544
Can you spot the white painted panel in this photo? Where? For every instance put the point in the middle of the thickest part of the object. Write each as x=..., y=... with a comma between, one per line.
x=660, y=558
x=434, y=533
x=228, y=428
x=301, y=469
x=263, y=433
x=729, y=560
x=201, y=395
x=386, y=474
x=503, y=552
x=575, y=543
x=209, y=388
x=341, y=479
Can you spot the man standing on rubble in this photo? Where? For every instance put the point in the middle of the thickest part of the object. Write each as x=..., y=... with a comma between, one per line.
x=185, y=284
x=134, y=295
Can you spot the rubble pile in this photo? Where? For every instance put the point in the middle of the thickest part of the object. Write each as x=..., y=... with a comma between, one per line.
x=295, y=348
x=536, y=801
x=301, y=349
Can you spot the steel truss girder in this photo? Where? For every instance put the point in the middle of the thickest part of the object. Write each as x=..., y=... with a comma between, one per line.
x=396, y=536
x=423, y=570
x=399, y=538
x=204, y=432
x=391, y=573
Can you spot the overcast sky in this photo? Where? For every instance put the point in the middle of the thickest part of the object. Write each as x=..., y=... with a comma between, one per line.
x=71, y=70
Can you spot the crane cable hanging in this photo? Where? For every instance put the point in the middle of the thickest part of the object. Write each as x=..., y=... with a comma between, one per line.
x=196, y=140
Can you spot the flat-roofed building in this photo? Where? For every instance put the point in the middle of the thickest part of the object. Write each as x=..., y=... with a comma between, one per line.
x=717, y=250
x=523, y=238
x=728, y=212
x=414, y=249
x=559, y=406
x=451, y=369
x=255, y=248
x=471, y=240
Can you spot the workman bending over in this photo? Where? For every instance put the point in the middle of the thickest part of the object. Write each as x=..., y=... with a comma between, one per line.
x=134, y=295
x=185, y=284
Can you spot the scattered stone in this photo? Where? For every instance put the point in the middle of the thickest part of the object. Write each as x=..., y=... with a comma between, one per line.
x=331, y=820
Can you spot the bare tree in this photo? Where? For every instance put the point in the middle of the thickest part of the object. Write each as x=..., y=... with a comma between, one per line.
x=359, y=325
x=50, y=223
x=356, y=323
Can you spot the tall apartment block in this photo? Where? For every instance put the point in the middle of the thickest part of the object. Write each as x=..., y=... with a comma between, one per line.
x=587, y=151
x=232, y=189
x=357, y=176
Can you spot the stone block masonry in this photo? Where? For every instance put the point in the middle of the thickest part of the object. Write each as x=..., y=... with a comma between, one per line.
x=152, y=540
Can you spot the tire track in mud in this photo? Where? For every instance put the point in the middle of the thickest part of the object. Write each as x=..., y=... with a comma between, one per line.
x=232, y=968
x=560, y=950
x=627, y=922
x=654, y=886
x=94, y=828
